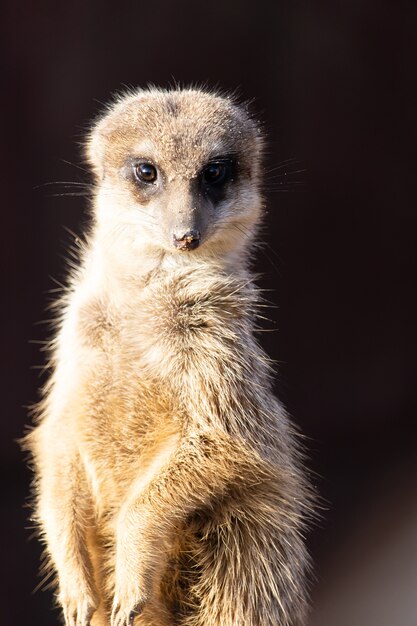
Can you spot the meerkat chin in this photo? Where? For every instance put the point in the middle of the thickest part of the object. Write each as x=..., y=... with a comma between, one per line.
x=169, y=482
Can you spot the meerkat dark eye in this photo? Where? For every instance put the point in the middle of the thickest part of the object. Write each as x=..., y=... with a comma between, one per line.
x=215, y=174
x=145, y=172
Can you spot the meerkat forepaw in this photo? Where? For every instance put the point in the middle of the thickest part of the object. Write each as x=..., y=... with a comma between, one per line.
x=122, y=616
x=78, y=611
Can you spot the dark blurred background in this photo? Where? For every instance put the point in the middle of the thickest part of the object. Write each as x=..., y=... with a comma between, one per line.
x=335, y=83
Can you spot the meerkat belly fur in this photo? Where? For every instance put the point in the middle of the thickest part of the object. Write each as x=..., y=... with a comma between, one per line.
x=169, y=484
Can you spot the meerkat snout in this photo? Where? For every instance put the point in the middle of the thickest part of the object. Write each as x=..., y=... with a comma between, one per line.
x=189, y=241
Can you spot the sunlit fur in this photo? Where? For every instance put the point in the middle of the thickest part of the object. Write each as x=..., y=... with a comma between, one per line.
x=168, y=478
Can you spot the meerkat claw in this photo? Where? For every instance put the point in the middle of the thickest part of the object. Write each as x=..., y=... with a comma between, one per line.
x=136, y=611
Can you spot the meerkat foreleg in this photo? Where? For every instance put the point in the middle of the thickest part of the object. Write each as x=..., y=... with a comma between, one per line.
x=64, y=511
x=203, y=466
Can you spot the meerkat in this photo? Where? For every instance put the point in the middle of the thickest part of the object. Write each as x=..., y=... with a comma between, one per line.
x=169, y=487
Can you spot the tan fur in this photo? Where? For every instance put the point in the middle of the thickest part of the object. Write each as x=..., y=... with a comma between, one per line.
x=168, y=480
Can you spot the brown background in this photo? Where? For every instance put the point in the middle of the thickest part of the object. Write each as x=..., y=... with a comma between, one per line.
x=335, y=83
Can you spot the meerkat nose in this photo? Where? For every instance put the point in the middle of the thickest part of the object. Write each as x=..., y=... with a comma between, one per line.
x=189, y=241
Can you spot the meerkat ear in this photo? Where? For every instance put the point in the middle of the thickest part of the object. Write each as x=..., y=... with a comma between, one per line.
x=94, y=150
x=106, y=124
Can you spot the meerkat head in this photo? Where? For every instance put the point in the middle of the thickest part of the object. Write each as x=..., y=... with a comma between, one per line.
x=177, y=173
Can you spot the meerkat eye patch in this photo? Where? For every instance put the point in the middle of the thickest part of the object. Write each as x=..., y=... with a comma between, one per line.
x=214, y=177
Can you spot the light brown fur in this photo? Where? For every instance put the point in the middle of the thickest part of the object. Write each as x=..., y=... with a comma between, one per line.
x=168, y=480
